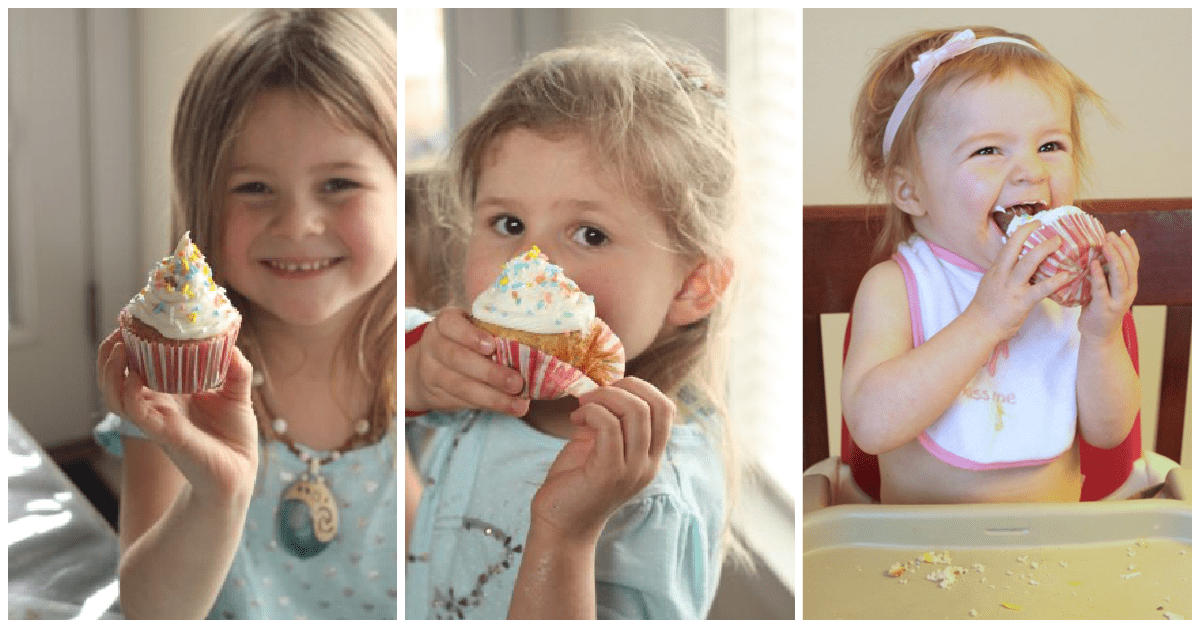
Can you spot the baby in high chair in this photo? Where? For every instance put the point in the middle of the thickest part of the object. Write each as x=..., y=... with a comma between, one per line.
x=961, y=375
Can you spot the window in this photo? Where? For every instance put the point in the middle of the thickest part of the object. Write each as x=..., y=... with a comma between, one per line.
x=764, y=362
x=426, y=121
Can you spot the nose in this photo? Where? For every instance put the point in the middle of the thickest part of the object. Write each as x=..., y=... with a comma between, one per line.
x=1029, y=168
x=299, y=216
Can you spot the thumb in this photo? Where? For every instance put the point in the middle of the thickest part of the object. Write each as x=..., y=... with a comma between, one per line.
x=237, y=379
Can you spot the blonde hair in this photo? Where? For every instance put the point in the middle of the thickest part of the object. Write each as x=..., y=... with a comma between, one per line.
x=654, y=114
x=344, y=62
x=890, y=75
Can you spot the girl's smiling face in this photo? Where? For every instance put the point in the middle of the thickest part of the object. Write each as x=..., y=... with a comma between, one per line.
x=986, y=144
x=310, y=212
x=550, y=192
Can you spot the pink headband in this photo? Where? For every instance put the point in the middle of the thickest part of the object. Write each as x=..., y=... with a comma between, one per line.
x=925, y=65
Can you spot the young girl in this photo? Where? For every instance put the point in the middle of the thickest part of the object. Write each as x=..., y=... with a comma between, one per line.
x=953, y=351
x=285, y=175
x=616, y=160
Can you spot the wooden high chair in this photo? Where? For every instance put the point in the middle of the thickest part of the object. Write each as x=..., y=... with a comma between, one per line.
x=838, y=243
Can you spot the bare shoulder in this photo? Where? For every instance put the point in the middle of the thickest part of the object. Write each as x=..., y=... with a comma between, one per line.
x=881, y=326
x=881, y=294
x=150, y=482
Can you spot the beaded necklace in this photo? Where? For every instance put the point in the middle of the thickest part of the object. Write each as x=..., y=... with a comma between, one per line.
x=307, y=517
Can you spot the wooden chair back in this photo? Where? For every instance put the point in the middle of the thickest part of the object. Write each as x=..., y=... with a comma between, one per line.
x=838, y=245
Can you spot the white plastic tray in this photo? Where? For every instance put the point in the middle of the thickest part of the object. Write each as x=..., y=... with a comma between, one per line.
x=1081, y=551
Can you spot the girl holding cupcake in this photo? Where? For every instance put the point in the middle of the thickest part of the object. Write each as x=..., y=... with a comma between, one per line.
x=268, y=490
x=599, y=178
x=961, y=375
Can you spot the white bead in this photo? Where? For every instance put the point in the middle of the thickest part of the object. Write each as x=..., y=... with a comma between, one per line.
x=362, y=427
x=279, y=425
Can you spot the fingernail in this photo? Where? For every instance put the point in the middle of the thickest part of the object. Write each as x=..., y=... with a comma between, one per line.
x=515, y=383
x=487, y=345
x=1124, y=232
x=520, y=406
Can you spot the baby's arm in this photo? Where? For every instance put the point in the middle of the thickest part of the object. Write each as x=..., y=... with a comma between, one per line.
x=891, y=392
x=1107, y=390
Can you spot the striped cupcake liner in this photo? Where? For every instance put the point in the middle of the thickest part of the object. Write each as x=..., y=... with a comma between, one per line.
x=183, y=367
x=546, y=377
x=1082, y=236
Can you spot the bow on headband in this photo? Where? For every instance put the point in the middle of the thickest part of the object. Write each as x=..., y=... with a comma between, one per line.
x=924, y=66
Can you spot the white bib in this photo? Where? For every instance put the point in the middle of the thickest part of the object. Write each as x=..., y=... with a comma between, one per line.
x=1018, y=409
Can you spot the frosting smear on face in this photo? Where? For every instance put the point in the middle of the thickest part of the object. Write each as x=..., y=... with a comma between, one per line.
x=181, y=300
x=531, y=294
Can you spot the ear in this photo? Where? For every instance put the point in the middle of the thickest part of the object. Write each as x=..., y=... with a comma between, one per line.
x=903, y=191
x=700, y=292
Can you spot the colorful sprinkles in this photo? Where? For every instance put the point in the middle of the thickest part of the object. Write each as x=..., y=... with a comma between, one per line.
x=185, y=273
x=532, y=283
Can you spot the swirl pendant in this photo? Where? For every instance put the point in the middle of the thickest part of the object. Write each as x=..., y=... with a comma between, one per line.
x=307, y=518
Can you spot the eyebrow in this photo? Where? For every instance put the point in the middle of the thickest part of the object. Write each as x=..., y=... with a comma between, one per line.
x=505, y=202
x=331, y=165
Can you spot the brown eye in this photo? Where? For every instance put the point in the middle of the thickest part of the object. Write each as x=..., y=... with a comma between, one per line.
x=508, y=225
x=590, y=236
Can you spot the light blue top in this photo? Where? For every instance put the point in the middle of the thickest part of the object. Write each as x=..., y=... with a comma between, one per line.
x=658, y=556
x=353, y=578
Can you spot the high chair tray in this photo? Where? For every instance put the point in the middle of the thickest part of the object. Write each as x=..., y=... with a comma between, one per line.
x=1101, y=560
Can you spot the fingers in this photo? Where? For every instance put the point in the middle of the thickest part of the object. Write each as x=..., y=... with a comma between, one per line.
x=633, y=422
x=455, y=368
x=1123, y=259
x=238, y=378
x=453, y=323
x=110, y=372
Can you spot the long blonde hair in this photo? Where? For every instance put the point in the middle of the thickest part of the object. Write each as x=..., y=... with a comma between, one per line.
x=654, y=113
x=343, y=61
x=890, y=75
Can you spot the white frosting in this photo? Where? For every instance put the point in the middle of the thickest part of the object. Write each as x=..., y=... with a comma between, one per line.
x=181, y=300
x=533, y=295
x=1044, y=217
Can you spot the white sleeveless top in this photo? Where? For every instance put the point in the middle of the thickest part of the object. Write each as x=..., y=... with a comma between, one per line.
x=1019, y=408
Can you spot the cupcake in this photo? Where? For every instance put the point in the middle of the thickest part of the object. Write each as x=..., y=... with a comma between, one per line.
x=180, y=330
x=547, y=329
x=1082, y=237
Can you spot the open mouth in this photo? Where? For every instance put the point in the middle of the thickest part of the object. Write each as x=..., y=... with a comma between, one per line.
x=1002, y=216
x=299, y=268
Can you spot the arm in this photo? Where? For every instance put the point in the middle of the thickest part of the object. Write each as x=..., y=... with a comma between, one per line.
x=557, y=578
x=620, y=434
x=412, y=496
x=1107, y=389
x=891, y=392
x=186, y=491
x=176, y=545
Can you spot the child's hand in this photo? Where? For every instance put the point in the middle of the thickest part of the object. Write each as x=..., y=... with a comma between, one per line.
x=1005, y=296
x=621, y=432
x=1112, y=296
x=211, y=437
x=449, y=369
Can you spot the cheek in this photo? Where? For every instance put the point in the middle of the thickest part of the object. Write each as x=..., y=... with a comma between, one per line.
x=479, y=274
x=370, y=232
x=239, y=231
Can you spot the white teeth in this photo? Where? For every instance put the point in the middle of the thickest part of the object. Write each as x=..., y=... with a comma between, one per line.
x=293, y=267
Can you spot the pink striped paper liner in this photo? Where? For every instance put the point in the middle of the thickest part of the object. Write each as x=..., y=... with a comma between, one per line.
x=546, y=377
x=182, y=368
x=1082, y=237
